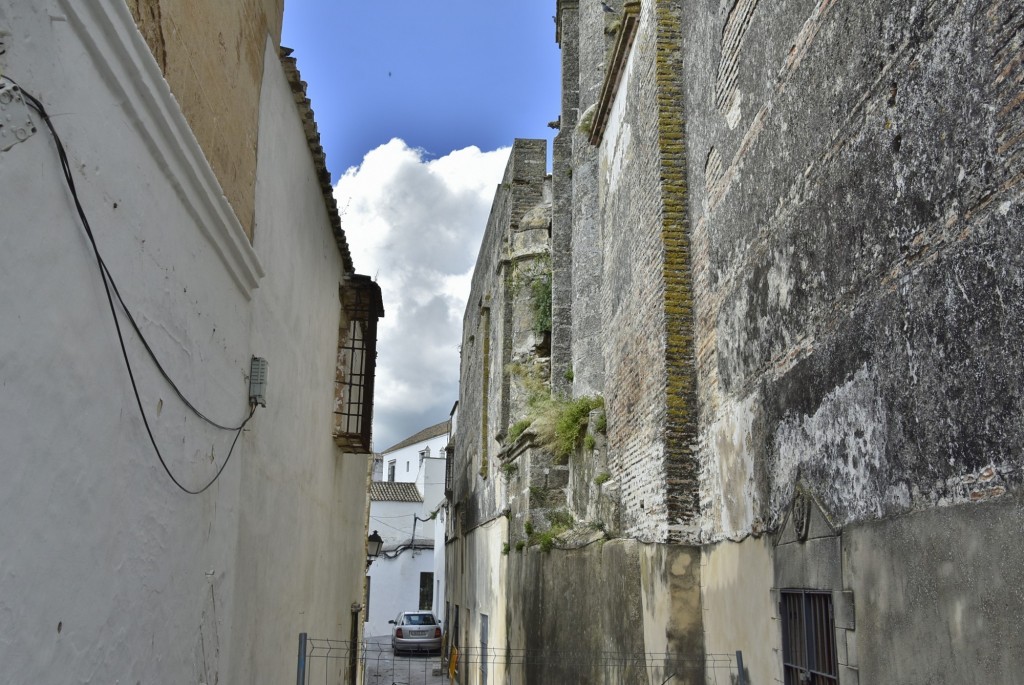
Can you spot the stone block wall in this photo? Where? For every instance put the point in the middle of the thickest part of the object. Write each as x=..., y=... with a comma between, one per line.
x=516, y=236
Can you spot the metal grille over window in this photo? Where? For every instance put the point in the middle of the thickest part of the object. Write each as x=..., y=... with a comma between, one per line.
x=808, y=638
x=449, y=456
x=357, y=362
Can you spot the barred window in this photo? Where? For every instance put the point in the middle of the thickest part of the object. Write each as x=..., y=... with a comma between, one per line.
x=357, y=362
x=808, y=638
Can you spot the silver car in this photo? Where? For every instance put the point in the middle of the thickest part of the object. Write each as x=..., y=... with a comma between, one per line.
x=415, y=631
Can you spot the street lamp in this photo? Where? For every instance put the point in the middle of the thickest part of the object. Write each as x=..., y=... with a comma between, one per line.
x=373, y=544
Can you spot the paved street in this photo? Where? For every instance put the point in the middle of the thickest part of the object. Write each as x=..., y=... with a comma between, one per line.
x=382, y=668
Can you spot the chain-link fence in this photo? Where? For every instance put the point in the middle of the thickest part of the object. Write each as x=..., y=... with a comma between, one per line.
x=372, y=662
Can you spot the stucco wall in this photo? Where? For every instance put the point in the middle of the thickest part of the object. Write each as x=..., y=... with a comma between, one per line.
x=407, y=459
x=737, y=601
x=600, y=607
x=395, y=582
x=482, y=590
x=302, y=500
x=109, y=573
x=395, y=587
x=950, y=578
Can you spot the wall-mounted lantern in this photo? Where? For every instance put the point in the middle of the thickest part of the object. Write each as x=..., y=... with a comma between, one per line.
x=373, y=544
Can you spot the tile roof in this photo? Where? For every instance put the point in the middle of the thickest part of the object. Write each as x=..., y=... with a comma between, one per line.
x=309, y=126
x=425, y=434
x=389, y=491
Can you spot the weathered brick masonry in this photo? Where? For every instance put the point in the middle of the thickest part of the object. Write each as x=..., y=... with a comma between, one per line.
x=681, y=465
x=648, y=344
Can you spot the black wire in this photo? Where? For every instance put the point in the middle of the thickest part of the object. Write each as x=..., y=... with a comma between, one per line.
x=109, y=277
x=397, y=551
x=108, y=286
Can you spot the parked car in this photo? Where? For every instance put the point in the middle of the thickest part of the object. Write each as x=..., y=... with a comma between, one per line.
x=415, y=631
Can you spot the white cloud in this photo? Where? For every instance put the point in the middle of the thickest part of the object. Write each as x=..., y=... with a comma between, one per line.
x=416, y=225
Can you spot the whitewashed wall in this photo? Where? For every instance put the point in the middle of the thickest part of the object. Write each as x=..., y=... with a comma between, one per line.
x=440, y=564
x=407, y=459
x=395, y=583
x=301, y=536
x=108, y=572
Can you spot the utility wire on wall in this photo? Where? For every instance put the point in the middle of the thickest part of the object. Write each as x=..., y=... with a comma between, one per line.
x=411, y=543
x=112, y=292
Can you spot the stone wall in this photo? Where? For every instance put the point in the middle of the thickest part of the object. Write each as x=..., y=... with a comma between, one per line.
x=856, y=234
x=802, y=227
x=589, y=42
x=517, y=234
x=645, y=284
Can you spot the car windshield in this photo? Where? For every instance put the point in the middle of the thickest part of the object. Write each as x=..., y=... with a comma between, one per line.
x=419, y=619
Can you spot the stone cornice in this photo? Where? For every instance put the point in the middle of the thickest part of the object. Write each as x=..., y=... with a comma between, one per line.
x=616, y=67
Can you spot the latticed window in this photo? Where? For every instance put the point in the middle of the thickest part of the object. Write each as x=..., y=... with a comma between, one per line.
x=357, y=362
x=808, y=638
x=449, y=459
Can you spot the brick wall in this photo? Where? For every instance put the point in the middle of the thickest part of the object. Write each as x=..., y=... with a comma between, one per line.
x=646, y=286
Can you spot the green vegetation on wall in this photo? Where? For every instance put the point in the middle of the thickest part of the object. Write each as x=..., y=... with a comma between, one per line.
x=557, y=422
x=541, y=291
x=561, y=521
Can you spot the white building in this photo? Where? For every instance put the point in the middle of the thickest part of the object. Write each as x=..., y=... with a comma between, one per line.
x=403, y=511
x=197, y=165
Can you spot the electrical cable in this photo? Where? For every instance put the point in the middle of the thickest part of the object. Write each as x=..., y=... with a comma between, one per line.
x=397, y=551
x=110, y=286
x=34, y=102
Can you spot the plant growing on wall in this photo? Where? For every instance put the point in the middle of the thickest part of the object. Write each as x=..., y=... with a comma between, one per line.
x=541, y=291
x=557, y=422
x=561, y=521
x=572, y=418
x=516, y=430
x=509, y=469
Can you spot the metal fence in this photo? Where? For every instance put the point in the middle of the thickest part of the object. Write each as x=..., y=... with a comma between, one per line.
x=337, y=662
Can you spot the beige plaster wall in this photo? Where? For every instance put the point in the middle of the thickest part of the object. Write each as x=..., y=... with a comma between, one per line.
x=211, y=54
x=670, y=584
x=736, y=584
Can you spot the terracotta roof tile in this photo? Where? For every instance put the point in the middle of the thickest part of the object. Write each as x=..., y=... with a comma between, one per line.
x=389, y=491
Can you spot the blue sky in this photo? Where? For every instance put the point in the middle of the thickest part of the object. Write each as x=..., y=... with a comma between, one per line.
x=440, y=75
x=417, y=105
